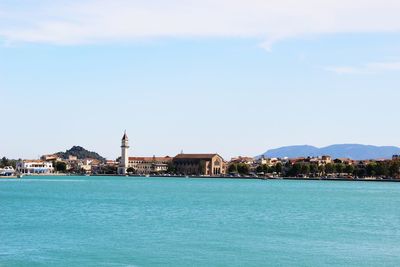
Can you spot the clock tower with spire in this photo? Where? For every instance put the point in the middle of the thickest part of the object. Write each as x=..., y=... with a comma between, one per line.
x=124, y=161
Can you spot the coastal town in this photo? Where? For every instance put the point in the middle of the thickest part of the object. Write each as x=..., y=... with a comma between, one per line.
x=78, y=161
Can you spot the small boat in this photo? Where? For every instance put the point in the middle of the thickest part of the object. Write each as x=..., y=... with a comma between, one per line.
x=7, y=171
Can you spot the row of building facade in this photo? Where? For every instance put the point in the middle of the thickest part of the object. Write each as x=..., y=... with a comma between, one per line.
x=184, y=164
x=45, y=165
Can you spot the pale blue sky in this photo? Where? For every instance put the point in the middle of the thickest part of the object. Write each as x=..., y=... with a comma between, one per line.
x=196, y=88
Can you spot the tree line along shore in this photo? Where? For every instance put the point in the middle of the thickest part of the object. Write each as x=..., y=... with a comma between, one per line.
x=318, y=168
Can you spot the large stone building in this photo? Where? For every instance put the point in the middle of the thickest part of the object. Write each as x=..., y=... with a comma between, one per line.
x=147, y=165
x=199, y=164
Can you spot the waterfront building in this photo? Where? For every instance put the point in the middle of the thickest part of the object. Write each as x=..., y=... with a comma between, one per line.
x=34, y=167
x=110, y=162
x=199, y=164
x=267, y=161
x=326, y=160
x=50, y=158
x=244, y=160
x=323, y=160
x=251, y=162
x=147, y=165
x=298, y=160
x=315, y=160
x=345, y=161
x=87, y=165
x=124, y=161
x=72, y=158
x=262, y=160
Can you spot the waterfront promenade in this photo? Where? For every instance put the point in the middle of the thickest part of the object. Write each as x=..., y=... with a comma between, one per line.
x=218, y=177
x=34, y=175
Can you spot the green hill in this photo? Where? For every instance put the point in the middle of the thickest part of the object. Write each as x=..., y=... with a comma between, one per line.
x=80, y=153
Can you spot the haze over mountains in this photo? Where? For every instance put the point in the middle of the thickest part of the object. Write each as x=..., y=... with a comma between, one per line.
x=353, y=151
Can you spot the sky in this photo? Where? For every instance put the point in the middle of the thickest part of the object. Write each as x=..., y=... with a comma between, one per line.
x=232, y=77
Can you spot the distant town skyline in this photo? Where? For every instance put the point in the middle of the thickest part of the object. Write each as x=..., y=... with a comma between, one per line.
x=232, y=77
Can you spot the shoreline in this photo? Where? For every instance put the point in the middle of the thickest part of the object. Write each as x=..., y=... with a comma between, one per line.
x=32, y=175
x=338, y=179
x=215, y=177
x=257, y=178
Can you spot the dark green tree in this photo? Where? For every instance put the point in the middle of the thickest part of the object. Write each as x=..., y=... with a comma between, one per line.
x=272, y=169
x=259, y=169
x=171, y=168
x=321, y=170
x=360, y=171
x=243, y=168
x=313, y=169
x=109, y=169
x=8, y=162
x=339, y=167
x=370, y=169
x=4, y=162
x=60, y=166
x=233, y=168
x=265, y=168
x=382, y=168
x=349, y=169
x=305, y=169
x=295, y=170
x=329, y=168
x=394, y=169
x=278, y=167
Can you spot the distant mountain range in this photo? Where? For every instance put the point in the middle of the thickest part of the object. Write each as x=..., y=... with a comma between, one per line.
x=80, y=153
x=353, y=151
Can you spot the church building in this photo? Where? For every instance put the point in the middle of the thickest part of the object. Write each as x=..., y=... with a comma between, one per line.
x=200, y=164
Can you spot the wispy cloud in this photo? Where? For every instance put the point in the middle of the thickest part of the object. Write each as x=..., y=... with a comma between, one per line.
x=93, y=21
x=370, y=68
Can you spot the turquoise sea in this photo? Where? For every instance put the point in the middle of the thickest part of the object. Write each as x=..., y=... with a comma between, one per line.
x=117, y=221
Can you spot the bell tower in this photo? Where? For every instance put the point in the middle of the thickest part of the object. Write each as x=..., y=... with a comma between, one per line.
x=124, y=161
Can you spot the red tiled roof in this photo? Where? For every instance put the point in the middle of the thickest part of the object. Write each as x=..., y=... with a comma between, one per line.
x=34, y=160
x=195, y=156
x=150, y=158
